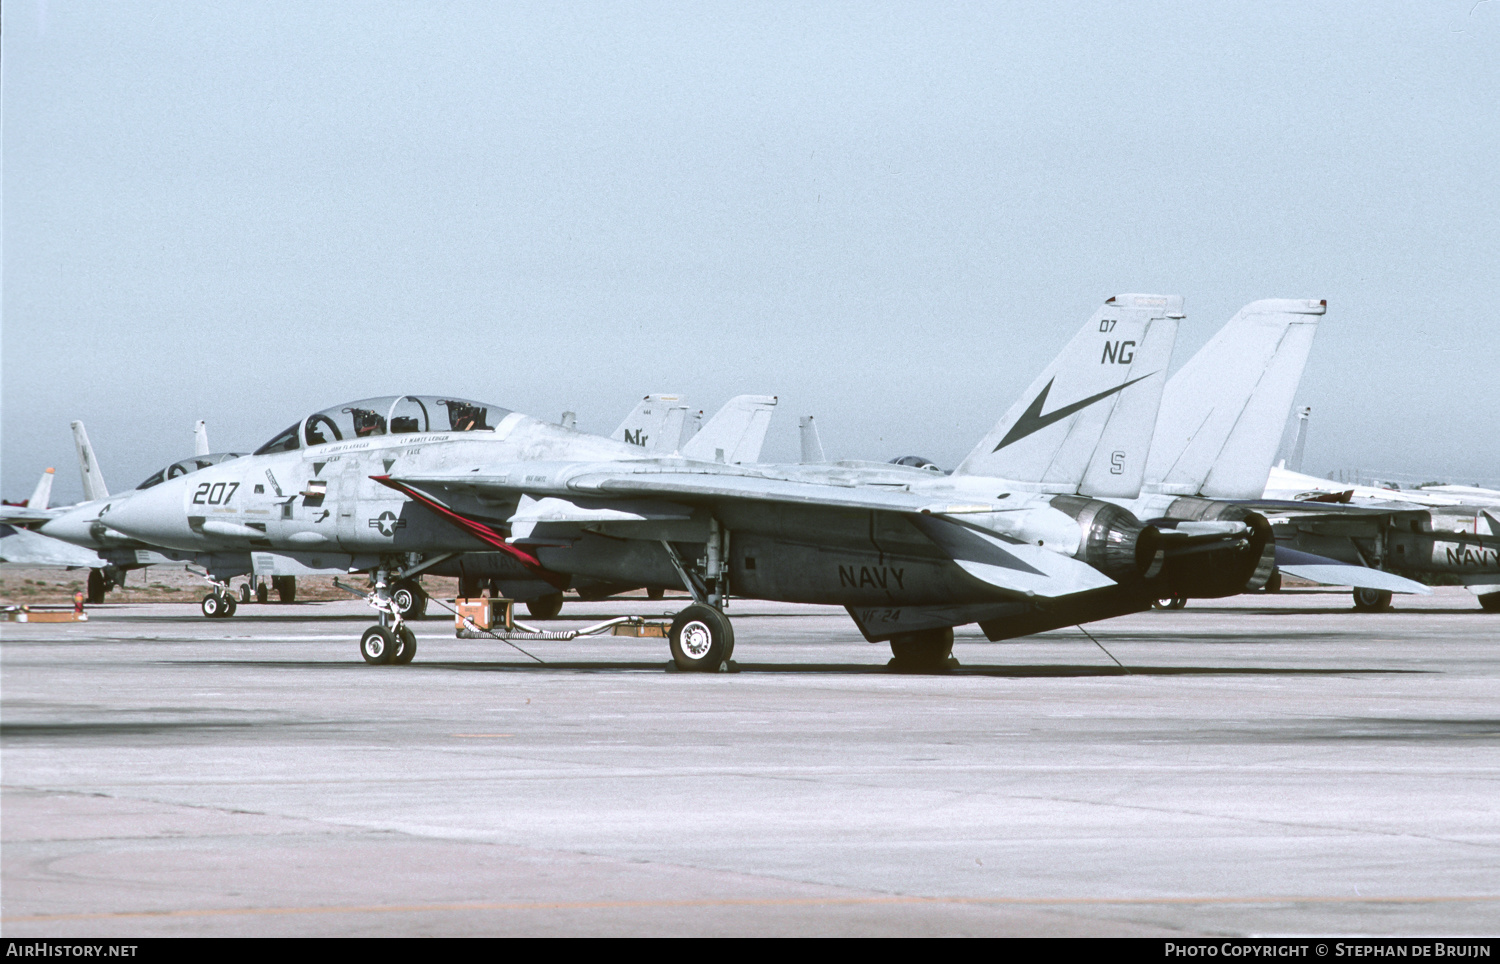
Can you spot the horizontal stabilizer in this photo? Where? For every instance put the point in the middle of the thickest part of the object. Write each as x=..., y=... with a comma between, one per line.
x=736, y=432
x=1331, y=572
x=1017, y=567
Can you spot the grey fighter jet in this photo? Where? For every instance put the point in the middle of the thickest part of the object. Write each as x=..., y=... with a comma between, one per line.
x=1017, y=538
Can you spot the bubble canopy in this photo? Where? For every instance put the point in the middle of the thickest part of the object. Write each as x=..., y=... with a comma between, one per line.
x=387, y=415
x=187, y=467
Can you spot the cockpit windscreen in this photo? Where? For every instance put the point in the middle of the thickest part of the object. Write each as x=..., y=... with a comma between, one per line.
x=388, y=415
x=187, y=467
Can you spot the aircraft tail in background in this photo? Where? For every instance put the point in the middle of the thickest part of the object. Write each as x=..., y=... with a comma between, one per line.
x=736, y=432
x=93, y=480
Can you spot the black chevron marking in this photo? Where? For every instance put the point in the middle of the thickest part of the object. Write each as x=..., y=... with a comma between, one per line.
x=1032, y=420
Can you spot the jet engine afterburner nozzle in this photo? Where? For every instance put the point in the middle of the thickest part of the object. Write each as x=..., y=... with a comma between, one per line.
x=1112, y=539
x=1245, y=567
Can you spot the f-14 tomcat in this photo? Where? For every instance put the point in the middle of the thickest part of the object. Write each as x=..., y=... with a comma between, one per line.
x=1016, y=539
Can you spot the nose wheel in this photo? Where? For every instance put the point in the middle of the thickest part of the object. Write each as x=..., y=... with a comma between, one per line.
x=218, y=605
x=383, y=646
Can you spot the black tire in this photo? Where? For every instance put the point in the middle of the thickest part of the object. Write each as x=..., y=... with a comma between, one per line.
x=97, y=588
x=701, y=639
x=1170, y=602
x=212, y=606
x=1274, y=583
x=230, y=605
x=261, y=592
x=410, y=600
x=286, y=588
x=1490, y=602
x=655, y=592
x=378, y=646
x=545, y=607
x=1371, y=600
x=924, y=651
x=407, y=649
x=245, y=593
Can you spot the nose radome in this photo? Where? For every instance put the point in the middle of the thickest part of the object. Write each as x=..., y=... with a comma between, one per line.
x=152, y=515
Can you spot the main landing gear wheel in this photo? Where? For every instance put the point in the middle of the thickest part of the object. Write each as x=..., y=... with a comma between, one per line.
x=1490, y=602
x=410, y=600
x=1170, y=602
x=545, y=607
x=925, y=651
x=97, y=586
x=245, y=593
x=379, y=646
x=407, y=646
x=655, y=592
x=702, y=639
x=261, y=593
x=1371, y=600
x=286, y=588
x=1274, y=583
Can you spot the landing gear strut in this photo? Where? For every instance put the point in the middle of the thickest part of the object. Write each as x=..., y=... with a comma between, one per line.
x=702, y=638
x=396, y=597
x=221, y=602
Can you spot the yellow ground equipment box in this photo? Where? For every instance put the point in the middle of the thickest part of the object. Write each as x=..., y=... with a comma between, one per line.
x=26, y=614
x=485, y=615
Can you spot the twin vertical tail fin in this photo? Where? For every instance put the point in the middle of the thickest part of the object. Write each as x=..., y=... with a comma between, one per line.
x=735, y=433
x=200, y=438
x=1085, y=424
x=1223, y=415
x=655, y=424
x=42, y=494
x=93, y=481
x=812, y=446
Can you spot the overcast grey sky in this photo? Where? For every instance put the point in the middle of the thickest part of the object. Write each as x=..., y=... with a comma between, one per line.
x=890, y=215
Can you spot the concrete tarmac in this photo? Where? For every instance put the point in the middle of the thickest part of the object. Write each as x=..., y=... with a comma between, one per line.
x=1267, y=765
